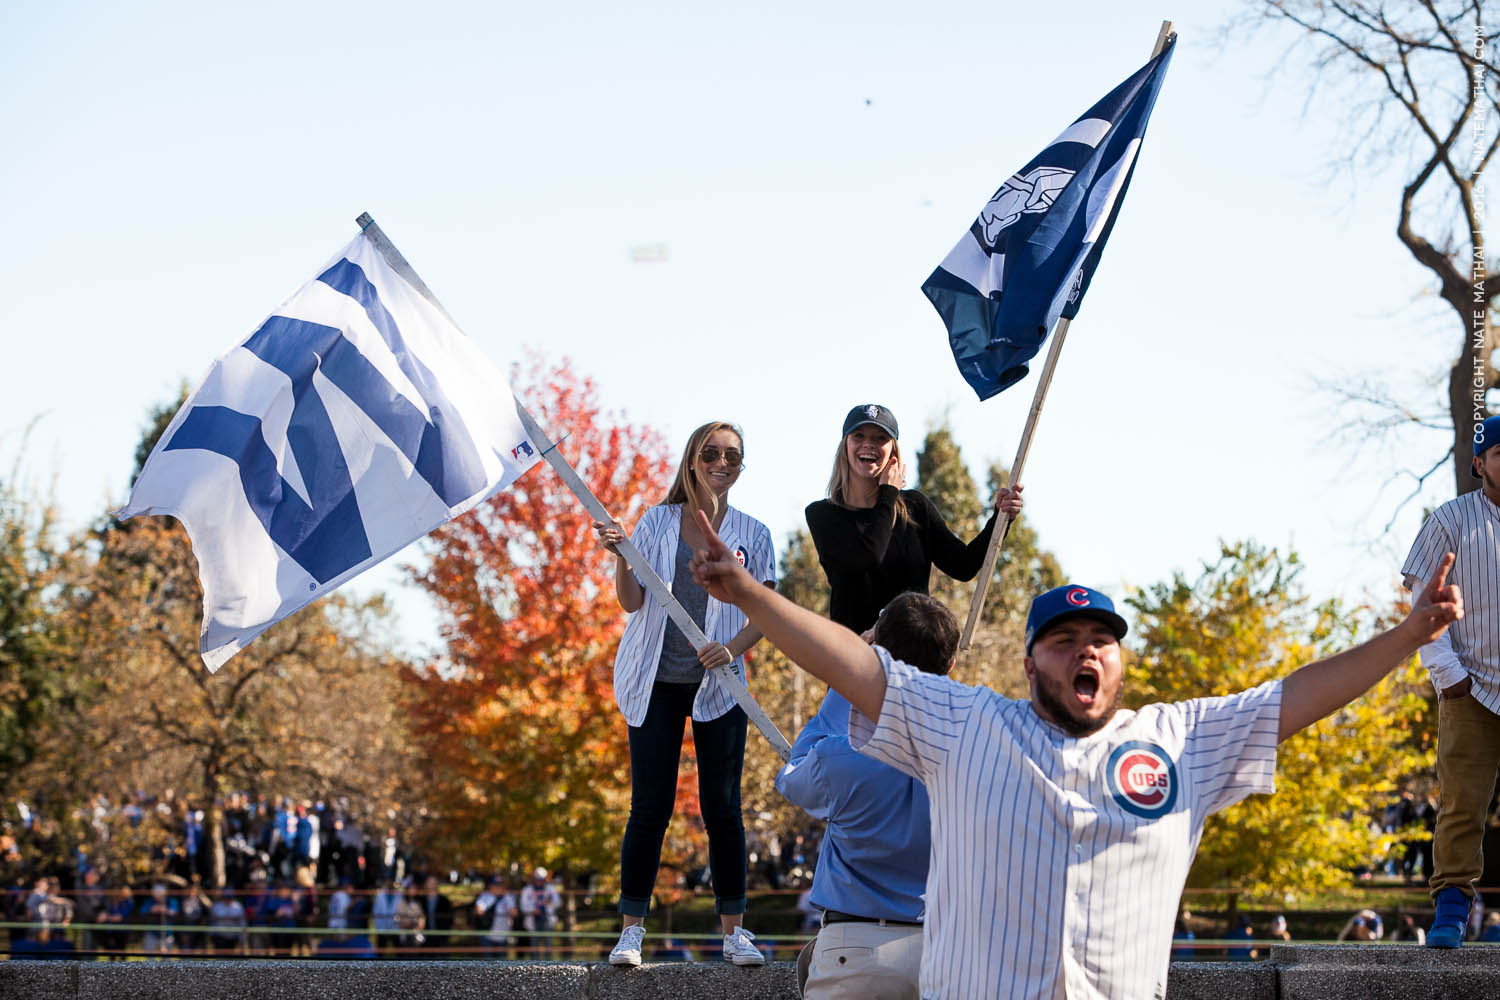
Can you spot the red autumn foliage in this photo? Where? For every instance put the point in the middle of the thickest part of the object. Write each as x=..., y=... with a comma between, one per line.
x=527, y=753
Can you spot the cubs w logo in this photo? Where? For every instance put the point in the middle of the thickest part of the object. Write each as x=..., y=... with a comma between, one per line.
x=323, y=531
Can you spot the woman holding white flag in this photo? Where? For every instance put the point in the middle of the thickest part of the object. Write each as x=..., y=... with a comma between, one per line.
x=661, y=682
x=876, y=540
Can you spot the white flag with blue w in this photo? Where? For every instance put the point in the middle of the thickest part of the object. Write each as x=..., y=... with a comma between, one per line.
x=351, y=422
x=1028, y=258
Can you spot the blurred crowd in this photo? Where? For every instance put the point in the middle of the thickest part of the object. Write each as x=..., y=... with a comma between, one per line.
x=284, y=917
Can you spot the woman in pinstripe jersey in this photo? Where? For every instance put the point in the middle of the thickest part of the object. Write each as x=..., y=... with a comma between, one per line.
x=660, y=682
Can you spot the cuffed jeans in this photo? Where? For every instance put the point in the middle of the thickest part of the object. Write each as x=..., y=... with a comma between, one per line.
x=655, y=751
x=1468, y=759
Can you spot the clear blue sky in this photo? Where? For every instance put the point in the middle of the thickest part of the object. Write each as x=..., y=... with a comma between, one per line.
x=173, y=170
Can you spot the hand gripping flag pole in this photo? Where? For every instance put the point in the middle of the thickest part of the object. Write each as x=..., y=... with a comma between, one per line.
x=728, y=675
x=1072, y=194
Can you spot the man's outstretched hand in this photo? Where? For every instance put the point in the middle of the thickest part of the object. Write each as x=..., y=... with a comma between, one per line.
x=1438, y=605
x=716, y=569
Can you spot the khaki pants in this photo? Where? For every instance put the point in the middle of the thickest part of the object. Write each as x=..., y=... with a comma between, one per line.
x=861, y=961
x=1468, y=759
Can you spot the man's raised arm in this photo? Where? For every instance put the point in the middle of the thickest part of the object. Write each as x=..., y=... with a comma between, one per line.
x=1322, y=688
x=825, y=649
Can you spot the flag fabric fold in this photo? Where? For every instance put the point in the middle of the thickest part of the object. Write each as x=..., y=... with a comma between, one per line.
x=1029, y=257
x=351, y=422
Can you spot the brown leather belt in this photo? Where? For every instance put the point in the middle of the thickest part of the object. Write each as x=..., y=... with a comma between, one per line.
x=835, y=917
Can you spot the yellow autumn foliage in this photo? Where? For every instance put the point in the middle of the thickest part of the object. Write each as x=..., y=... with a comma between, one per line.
x=1244, y=621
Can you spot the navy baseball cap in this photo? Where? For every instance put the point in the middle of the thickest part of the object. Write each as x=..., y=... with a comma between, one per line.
x=1070, y=601
x=1487, y=438
x=871, y=413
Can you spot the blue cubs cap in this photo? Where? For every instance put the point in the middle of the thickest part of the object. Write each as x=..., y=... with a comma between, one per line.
x=1070, y=601
x=1486, y=438
x=871, y=413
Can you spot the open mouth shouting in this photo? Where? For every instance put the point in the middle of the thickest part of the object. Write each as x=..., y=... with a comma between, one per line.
x=1086, y=685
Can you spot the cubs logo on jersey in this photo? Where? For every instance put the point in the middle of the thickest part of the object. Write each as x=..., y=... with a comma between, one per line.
x=1142, y=779
x=741, y=555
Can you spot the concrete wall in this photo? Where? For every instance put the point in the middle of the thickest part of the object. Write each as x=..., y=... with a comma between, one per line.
x=1326, y=972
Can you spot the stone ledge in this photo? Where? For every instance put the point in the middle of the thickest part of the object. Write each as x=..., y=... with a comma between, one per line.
x=1221, y=981
x=337, y=980
x=1293, y=972
x=1386, y=972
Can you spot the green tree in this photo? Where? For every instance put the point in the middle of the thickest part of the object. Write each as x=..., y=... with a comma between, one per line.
x=36, y=645
x=800, y=577
x=156, y=424
x=945, y=479
x=1245, y=621
x=1022, y=568
x=308, y=710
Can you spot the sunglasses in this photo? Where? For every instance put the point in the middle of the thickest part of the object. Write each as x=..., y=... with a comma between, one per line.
x=710, y=454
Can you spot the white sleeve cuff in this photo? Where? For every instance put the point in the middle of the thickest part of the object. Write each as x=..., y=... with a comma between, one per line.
x=1442, y=663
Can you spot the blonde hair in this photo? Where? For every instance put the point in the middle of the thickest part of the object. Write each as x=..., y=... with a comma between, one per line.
x=686, y=487
x=843, y=476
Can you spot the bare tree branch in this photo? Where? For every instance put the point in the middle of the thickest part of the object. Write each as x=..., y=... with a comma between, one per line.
x=1442, y=83
x=1416, y=491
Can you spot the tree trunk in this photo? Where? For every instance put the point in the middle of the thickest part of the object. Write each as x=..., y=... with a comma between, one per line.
x=213, y=822
x=1472, y=376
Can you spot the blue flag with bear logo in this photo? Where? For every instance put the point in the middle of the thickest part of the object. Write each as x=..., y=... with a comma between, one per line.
x=1028, y=258
x=351, y=422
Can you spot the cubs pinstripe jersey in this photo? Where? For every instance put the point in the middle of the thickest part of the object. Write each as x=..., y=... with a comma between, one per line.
x=1057, y=861
x=636, y=660
x=1469, y=527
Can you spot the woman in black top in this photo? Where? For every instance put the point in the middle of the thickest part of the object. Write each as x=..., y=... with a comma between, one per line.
x=876, y=540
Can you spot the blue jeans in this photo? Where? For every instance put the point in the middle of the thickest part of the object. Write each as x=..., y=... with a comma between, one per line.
x=655, y=751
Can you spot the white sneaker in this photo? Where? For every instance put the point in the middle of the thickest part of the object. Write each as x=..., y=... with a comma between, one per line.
x=628, y=950
x=739, y=949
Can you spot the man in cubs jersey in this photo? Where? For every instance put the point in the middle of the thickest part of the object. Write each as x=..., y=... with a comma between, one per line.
x=1465, y=668
x=1062, y=827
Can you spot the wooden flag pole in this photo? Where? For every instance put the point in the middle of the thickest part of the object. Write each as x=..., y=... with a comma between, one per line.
x=976, y=606
x=987, y=570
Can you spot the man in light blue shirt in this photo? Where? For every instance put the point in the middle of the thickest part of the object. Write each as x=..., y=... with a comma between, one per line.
x=872, y=870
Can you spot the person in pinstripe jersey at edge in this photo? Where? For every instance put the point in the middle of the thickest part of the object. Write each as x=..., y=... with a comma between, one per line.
x=1063, y=827
x=1464, y=665
x=660, y=683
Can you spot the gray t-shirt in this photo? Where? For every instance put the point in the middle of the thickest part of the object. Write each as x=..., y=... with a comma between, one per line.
x=679, y=663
